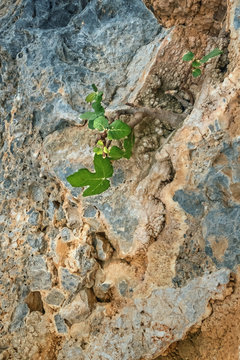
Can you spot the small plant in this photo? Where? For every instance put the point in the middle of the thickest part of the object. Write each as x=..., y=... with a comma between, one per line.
x=105, y=153
x=197, y=64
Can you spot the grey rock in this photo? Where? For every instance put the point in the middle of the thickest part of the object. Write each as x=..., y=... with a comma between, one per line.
x=191, y=202
x=236, y=21
x=70, y=282
x=85, y=261
x=152, y=323
x=60, y=324
x=221, y=225
x=65, y=234
x=33, y=217
x=90, y=211
x=102, y=247
x=55, y=297
x=123, y=287
x=18, y=317
x=38, y=274
x=76, y=46
x=36, y=242
x=121, y=216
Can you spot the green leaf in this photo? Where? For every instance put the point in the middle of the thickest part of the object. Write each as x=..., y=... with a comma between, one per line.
x=100, y=123
x=105, y=149
x=98, y=97
x=97, y=188
x=88, y=116
x=188, y=56
x=100, y=143
x=94, y=87
x=196, y=72
x=116, y=153
x=118, y=130
x=97, y=182
x=212, y=54
x=91, y=97
x=102, y=166
x=90, y=124
x=128, y=145
x=99, y=110
x=97, y=150
x=196, y=63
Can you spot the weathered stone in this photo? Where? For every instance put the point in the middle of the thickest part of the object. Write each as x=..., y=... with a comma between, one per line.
x=149, y=325
x=18, y=317
x=78, y=310
x=36, y=242
x=103, y=248
x=146, y=252
x=60, y=324
x=38, y=274
x=55, y=297
x=70, y=282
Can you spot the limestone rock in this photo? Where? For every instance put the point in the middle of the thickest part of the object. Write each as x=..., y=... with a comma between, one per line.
x=127, y=273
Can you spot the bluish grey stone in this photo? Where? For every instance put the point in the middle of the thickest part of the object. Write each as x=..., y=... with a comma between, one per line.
x=222, y=224
x=90, y=211
x=33, y=217
x=60, y=324
x=120, y=217
x=51, y=210
x=77, y=43
x=236, y=21
x=123, y=287
x=18, y=317
x=60, y=214
x=55, y=297
x=191, y=202
x=70, y=282
x=65, y=234
x=36, y=241
x=85, y=260
x=38, y=273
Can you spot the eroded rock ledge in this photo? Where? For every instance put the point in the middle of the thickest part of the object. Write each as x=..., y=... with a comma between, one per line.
x=126, y=274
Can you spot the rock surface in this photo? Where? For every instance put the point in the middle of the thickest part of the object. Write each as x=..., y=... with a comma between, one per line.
x=130, y=273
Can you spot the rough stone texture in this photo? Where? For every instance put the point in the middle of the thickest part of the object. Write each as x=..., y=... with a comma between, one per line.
x=132, y=272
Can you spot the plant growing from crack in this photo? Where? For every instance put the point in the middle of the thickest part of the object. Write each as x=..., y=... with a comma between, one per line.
x=198, y=63
x=105, y=152
x=112, y=133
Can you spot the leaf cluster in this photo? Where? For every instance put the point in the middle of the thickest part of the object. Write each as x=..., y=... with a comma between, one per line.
x=105, y=152
x=197, y=63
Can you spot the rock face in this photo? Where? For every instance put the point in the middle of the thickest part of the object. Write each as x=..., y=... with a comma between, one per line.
x=127, y=274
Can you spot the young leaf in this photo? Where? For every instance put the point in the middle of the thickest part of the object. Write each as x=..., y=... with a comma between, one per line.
x=94, y=87
x=97, y=150
x=90, y=124
x=188, y=56
x=88, y=116
x=128, y=145
x=118, y=130
x=100, y=123
x=116, y=153
x=97, y=182
x=105, y=150
x=100, y=143
x=99, y=110
x=212, y=54
x=196, y=72
x=196, y=63
x=102, y=166
x=91, y=97
x=98, y=97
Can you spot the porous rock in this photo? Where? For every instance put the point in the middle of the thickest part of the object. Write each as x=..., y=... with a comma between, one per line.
x=125, y=274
